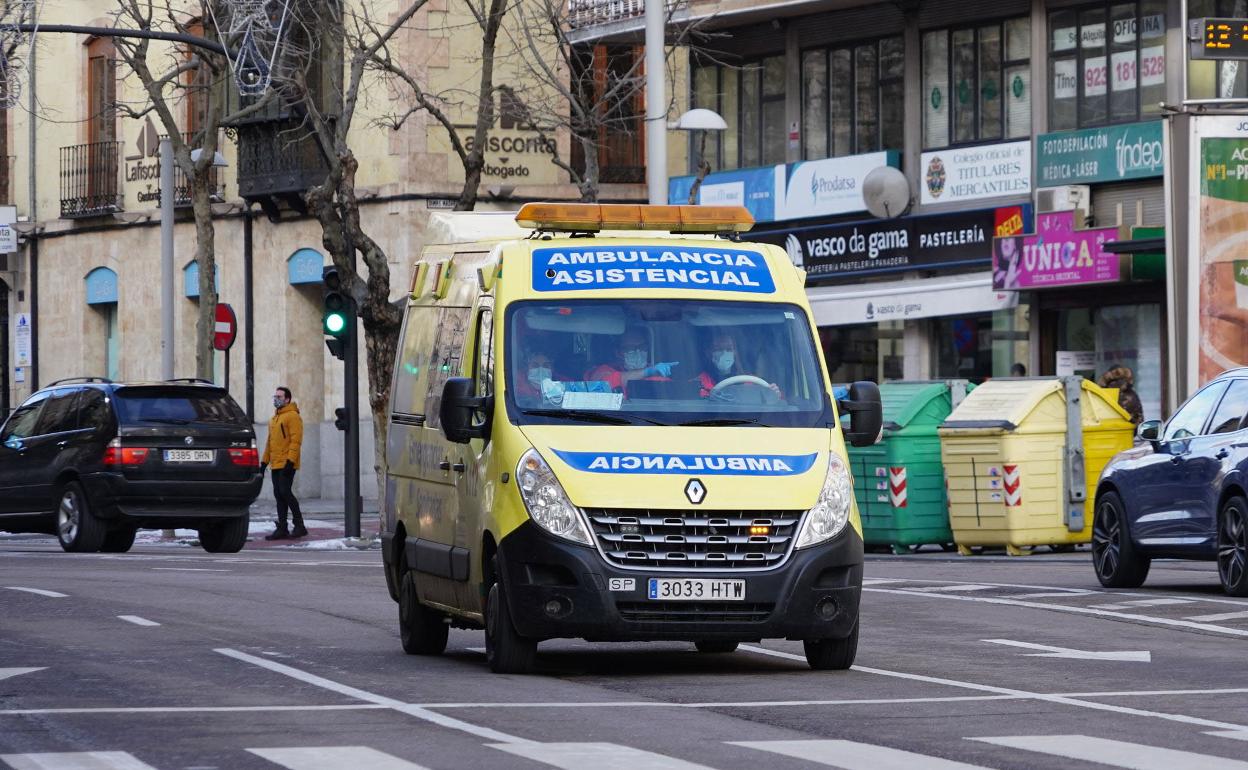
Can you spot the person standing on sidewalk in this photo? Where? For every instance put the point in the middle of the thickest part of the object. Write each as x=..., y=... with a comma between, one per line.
x=281, y=455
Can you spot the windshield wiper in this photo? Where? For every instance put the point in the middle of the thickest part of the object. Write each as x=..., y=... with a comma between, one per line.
x=721, y=421
x=580, y=415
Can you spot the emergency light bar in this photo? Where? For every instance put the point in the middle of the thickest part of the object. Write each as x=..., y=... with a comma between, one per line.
x=593, y=217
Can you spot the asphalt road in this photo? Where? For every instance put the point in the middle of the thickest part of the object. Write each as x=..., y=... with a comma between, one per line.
x=171, y=658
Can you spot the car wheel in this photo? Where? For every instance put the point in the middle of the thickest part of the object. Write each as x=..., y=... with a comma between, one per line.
x=119, y=540
x=225, y=536
x=422, y=631
x=715, y=646
x=76, y=526
x=832, y=654
x=1113, y=554
x=506, y=651
x=1233, y=546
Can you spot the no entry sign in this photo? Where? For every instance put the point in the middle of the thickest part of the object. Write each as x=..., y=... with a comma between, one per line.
x=226, y=329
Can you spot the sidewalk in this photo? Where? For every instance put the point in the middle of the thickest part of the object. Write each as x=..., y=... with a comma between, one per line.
x=325, y=520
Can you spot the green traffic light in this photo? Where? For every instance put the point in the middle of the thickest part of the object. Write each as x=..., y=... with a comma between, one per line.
x=335, y=323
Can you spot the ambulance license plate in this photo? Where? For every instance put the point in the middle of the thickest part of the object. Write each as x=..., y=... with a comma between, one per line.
x=696, y=589
x=190, y=455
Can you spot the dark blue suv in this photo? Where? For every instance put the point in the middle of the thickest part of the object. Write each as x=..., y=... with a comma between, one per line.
x=1182, y=492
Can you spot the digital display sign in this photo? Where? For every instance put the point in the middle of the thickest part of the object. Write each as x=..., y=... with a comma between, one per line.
x=1217, y=38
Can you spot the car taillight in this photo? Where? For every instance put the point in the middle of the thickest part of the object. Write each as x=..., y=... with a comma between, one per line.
x=116, y=455
x=249, y=456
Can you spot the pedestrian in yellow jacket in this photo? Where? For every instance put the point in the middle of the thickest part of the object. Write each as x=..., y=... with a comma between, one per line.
x=281, y=454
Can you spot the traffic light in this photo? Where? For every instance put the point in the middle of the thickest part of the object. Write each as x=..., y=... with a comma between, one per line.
x=340, y=418
x=338, y=311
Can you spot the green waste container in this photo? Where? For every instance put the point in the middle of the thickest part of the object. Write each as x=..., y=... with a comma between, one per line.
x=900, y=483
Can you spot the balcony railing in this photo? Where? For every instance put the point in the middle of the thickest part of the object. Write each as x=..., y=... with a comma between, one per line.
x=90, y=179
x=588, y=13
x=182, y=185
x=278, y=159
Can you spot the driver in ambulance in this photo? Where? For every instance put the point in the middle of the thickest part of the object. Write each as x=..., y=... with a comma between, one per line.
x=723, y=362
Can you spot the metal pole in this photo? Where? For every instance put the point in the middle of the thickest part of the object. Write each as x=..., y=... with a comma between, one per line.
x=166, y=259
x=249, y=352
x=351, y=394
x=656, y=104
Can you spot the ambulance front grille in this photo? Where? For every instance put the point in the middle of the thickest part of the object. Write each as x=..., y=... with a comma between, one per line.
x=694, y=540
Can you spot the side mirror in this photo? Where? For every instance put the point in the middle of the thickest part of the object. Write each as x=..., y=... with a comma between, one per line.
x=1150, y=431
x=459, y=410
x=865, y=413
x=14, y=443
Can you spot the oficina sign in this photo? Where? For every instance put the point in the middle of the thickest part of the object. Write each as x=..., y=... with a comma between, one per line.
x=1056, y=254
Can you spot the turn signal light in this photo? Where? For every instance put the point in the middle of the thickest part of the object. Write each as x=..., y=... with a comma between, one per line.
x=593, y=217
x=116, y=455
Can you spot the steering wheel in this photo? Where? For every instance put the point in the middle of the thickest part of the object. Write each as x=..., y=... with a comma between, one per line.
x=739, y=379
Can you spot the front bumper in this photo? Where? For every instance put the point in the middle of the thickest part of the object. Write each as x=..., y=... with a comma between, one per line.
x=147, y=503
x=814, y=595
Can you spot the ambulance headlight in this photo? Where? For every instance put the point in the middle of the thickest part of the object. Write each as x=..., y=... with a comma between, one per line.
x=546, y=501
x=831, y=511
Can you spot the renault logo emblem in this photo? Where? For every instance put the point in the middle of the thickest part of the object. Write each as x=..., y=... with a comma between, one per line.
x=695, y=490
x=189, y=440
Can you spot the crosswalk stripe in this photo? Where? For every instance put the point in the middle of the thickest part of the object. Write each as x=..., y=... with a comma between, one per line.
x=1218, y=617
x=1135, y=756
x=39, y=592
x=1046, y=595
x=334, y=757
x=945, y=589
x=1140, y=603
x=851, y=755
x=76, y=760
x=600, y=756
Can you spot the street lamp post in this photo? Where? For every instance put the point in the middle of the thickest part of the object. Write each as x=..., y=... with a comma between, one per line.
x=166, y=259
x=656, y=104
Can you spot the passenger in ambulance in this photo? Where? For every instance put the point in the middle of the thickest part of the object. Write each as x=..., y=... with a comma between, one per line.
x=632, y=362
x=721, y=362
x=535, y=368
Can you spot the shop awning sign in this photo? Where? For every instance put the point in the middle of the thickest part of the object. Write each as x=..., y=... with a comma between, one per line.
x=954, y=295
x=1107, y=154
x=1056, y=254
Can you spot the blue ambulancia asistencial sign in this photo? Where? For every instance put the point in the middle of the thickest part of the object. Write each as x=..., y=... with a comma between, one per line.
x=651, y=267
x=708, y=464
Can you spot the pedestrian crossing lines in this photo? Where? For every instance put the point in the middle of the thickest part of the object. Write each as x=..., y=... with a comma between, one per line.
x=844, y=754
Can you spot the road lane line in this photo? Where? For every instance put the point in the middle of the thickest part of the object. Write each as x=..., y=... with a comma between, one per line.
x=1102, y=592
x=1046, y=594
x=1074, y=610
x=5, y=673
x=1063, y=699
x=39, y=591
x=187, y=709
x=1218, y=617
x=1136, y=756
x=354, y=692
x=852, y=755
x=1049, y=651
x=1235, y=735
x=188, y=569
x=138, y=621
x=334, y=758
x=77, y=760
x=1140, y=603
x=600, y=756
x=959, y=587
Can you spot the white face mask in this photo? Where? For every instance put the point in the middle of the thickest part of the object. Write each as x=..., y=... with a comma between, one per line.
x=724, y=359
x=635, y=359
x=539, y=374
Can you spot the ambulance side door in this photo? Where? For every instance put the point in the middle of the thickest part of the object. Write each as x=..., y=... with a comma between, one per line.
x=474, y=457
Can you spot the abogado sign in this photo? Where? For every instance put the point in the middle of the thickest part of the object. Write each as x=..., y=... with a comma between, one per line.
x=934, y=242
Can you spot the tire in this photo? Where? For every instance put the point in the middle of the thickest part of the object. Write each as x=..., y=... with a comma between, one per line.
x=1114, y=556
x=506, y=651
x=119, y=540
x=1233, y=546
x=422, y=631
x=77, y=528
x=832, y=654
x=715, y=646
x=225, y=536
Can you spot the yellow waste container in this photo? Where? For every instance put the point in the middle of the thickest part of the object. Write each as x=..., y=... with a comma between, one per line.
x=1020, y=456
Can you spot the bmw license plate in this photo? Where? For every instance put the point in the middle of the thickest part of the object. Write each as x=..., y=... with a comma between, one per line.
x=696, y=589
x=190, y=455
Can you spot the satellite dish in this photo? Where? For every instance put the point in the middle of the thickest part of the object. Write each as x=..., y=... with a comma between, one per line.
x=886, y=191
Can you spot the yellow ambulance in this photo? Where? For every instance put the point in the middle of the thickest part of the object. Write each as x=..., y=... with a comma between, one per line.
x=616, y=425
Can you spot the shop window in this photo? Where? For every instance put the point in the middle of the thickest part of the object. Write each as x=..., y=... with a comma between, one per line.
x=1217, y=79
x=1113, y=337
x=872, y=352
x=981, y=346
x=1107, y=63
x=852, y=99
x=977, y=83
x=751, y=100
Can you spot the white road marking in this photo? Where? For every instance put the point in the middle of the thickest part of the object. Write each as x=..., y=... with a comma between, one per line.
x=138, y=621
x=1218, y=617
x=960, y=587
x=1049, y=651
x=600, y=756
x=1047, y=595
x=878, y=581
x=852, y=755
x=405, y=708
x=1049, y=698
x=1235, y=735
x=78, y=760
x=335, y=757
x=1136, y=756
x=38, y=591
x=5, y=673
x=1074, y=610
x=188, y=569
x=1140, y=603
x=188, y=709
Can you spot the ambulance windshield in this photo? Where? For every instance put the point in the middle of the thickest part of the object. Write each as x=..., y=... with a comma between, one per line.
x=666, y=362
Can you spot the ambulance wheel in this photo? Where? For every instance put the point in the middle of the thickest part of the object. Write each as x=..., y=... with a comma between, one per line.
x=1113, y=554
x=421, y=630
x=715, y=646
x=832, y=654
x=506, y=651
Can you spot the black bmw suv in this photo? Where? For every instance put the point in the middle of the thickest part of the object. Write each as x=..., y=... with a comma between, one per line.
x=91, y=461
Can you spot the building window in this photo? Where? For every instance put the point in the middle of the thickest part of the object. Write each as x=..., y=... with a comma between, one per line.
x=607, y=79
x=852, y=99
x=751, y=100
x=977, y=83
x=1107, y=63
x=1217, y=79
x=101, y=91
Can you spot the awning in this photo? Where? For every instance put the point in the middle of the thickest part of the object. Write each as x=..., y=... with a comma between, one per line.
x=953, y=295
